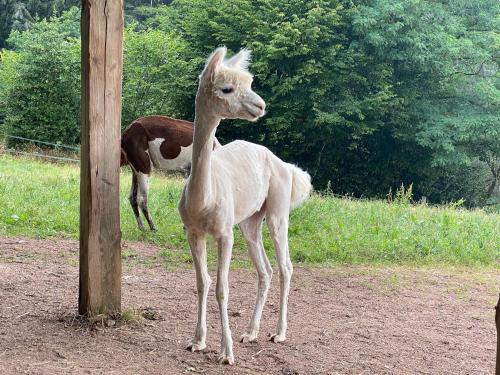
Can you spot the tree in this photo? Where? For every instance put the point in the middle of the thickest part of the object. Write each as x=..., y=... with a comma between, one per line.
x=20, y=15
x=39, y=80
x=158, y=78
x=8, y=76
x=323, y=97
x=445, y=74
x=365, y=94
x=12, y=12
x=42, y=96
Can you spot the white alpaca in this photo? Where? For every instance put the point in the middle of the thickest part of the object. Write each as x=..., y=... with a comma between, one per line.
x=239, y=183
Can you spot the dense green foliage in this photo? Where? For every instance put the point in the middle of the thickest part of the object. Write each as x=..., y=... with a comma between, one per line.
x=21, y=15
x=364, y=94
x=444, y=62
x=41, y=199
x=42, y=100
x=158, y=76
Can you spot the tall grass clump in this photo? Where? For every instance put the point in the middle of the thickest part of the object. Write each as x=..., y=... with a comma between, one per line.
x=42, y=200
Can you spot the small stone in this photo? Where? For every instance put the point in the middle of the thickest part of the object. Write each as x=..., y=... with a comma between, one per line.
x=110, y=323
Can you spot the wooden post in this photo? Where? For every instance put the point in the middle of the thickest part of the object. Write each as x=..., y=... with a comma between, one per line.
x=100, y=236
x=497, y=323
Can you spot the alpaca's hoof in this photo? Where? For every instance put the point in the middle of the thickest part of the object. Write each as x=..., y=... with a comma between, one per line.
x=196, y=347
x=226, y=360
x=248, y=337
x=154, y=230
x=278, y=338
x=226, y=355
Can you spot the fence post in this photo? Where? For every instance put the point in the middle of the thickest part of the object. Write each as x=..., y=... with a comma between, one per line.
x=100, y=237
x=497, y=323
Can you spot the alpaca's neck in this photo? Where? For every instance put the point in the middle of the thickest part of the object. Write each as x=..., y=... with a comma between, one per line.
x=200, y=184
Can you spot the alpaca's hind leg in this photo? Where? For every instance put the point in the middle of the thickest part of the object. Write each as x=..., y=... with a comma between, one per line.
x=142, y=199
x=278, y=227
x=199, y=253
x=277, y=211
x=133, y=200
x=225, y=247
x=252, y=231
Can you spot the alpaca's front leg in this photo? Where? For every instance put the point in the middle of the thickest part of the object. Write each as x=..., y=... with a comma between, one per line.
x=199, y=254
x=225, y=245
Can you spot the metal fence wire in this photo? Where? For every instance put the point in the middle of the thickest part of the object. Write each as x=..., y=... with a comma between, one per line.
x=40, y=155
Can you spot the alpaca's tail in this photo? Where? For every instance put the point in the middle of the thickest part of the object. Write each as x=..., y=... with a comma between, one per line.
x=301, y=186
x=123, y=159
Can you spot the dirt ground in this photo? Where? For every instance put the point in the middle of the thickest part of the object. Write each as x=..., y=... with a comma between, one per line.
x=342, y=320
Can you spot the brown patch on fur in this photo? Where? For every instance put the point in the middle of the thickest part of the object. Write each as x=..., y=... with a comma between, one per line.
x=176, y=133
x=135, y=138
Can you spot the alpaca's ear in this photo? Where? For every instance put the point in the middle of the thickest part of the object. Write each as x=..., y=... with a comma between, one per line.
x=213, y=62
x=241, y=59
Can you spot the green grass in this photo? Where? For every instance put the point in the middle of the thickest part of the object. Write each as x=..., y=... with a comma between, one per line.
x=40, y=199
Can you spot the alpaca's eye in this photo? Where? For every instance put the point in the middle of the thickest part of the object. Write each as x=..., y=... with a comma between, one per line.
x=227, y=90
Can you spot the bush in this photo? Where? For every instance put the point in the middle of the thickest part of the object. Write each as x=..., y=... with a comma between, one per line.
x=467, y=182
x=157, y=76
x=41, y=96
x=40, y=79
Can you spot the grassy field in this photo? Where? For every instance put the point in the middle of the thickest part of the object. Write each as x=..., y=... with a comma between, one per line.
x=40, y=199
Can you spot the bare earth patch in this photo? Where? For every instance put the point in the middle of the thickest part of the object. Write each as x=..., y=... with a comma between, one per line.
x=345, y=320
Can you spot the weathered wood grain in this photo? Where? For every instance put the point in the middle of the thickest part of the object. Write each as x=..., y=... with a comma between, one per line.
x=497, y=323
x=100, y=237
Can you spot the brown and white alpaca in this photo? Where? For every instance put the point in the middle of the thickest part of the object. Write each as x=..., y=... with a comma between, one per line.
x=239, y=183
x=154, y=141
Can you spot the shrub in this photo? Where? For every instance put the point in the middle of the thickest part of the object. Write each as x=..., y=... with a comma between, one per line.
x=41, y=95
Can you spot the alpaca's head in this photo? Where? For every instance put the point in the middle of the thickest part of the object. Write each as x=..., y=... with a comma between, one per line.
x=225, y=89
